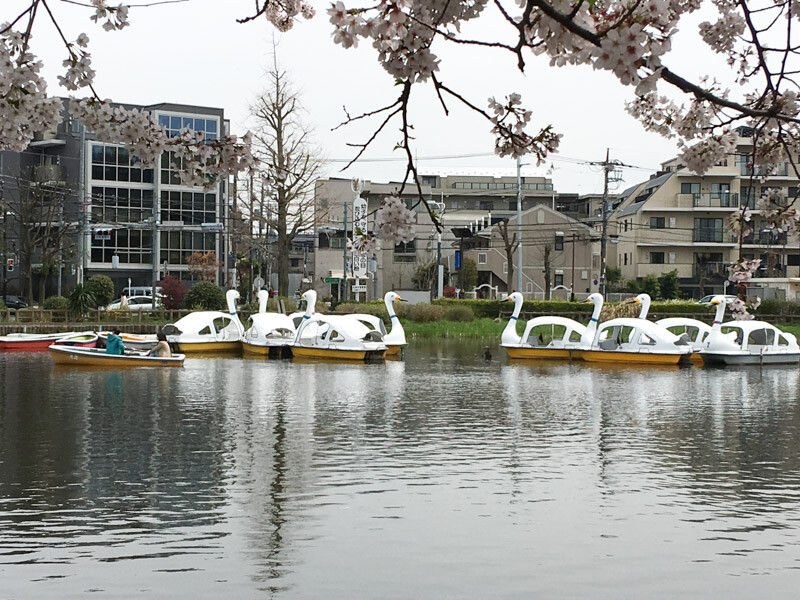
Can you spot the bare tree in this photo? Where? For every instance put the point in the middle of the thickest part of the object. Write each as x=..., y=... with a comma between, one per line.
x=510, y=244
x=36, y=206
x=285, y=205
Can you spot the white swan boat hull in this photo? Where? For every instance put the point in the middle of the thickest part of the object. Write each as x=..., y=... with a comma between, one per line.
x=747, y=358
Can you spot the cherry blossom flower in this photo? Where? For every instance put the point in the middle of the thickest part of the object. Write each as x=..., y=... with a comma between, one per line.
x=394, y=222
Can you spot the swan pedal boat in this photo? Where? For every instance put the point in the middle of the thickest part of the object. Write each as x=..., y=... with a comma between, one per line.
x=209, y=330
x=747, y=342
x=268, y=334
x=338, y=337
x=73, y=355
x=627, y=340
x=567, y=337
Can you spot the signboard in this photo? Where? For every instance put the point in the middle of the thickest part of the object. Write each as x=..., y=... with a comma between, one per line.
x=102, y=234
x=458, y=259
x=332, y=280
x=212, y=226
x=360, y=262
x=359, y=229
x=362, y=288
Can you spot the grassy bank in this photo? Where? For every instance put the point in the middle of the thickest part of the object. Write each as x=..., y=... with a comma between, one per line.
x=476, y=328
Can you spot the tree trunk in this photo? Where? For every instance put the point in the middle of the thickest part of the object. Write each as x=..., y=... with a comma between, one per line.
x=282, y=254
x=547, y=277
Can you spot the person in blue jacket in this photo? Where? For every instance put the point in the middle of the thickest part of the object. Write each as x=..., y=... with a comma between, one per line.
x=114, y=345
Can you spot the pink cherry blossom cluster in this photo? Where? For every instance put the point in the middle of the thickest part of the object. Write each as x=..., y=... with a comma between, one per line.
x=739, y=309
x=739, y=222
x=283, y=13
x=402, y=31
x=365, y=244
x=24, y=105
x=203, y=161
x=116, y=17
x=743, y=270
x=510, y=120
x=394, y=222
x=79, y=71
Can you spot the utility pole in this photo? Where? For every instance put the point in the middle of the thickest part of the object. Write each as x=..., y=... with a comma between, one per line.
x=519, y=224
x=604, y=238
x=343, y=283
x=572, y=285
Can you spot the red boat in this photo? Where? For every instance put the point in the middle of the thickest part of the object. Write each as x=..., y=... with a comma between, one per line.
x=31, y=342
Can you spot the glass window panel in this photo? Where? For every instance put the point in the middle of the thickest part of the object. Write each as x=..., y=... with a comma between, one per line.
x=123, y=156
x=135, y=196
x=174, y=257
x=97, y=172
x=174, y=239
x=111, y=155
x=136, y=215
x=111, y=173
x=210, y=241
x=211, y=126
x=97, y=153
x=188, y=122
x=97, y=254
x=163, y=120
x=107, y=254
x=147, y=198
x=174, y=179
x=211, y=136
x=186, y=241
x=199, y=124
x=97, y=214
x=123, y=174
x=122, y=238
x=124, y=215
x=136, y=174
x=147, y=239
x=175, y=122
x=122, y=196
x=147, y=176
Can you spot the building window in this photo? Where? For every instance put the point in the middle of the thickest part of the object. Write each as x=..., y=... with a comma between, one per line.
x=406, y=252
x=323, y=203
x=189, y=208
x=121, y=205
x=132, y=246
x=294, y=262
x=625, y=258
x=487, y=205
x=505, y=266
x=559, y=241
x=178, y=246
x=656, y=258
x=481, y=258
x=690, y=188
x=174, y=123
x=707, y=230
x=115, y=163
x=657, y=223
x=558, y=279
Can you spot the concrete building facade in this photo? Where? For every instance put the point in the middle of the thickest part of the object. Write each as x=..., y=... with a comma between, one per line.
x=679, y=220
x=133, y=224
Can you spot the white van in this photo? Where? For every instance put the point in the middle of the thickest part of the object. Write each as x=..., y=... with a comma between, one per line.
x=140, y=290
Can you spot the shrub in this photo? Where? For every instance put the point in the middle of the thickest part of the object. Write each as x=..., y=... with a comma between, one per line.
x=426, y=313
x=204, y=295
x=459, y=313
x=102, y=289
x=81, y=299
x=173, y=291
x=449, y=291
x=56, y=303
x=669, y=284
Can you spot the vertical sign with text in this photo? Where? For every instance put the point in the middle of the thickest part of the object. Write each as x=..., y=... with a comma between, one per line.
x=359, y=229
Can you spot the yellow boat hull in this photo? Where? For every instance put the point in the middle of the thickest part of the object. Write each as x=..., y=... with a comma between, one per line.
x=103, y=360
x=562, y=353
x=266, y=351
x=306, y=352
x=393, y=350
x=630, y=357
x=201, y=347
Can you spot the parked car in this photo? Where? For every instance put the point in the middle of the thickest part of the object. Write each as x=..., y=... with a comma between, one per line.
x=707, y=299
x=135, y=303
x=141, y=290
x=15, y=302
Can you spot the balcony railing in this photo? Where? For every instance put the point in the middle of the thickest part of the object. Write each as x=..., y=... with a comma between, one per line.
x=766, y=238
x=715, y=236
x=710, y=269
x=709, y=200
x=776, y=170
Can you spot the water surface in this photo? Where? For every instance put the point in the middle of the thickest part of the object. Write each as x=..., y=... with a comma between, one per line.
x=440, y=476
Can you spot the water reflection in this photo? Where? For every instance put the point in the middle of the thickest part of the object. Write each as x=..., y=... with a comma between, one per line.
x=442, y=475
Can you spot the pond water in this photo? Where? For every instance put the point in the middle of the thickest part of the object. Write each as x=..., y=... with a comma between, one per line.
x=441, y=476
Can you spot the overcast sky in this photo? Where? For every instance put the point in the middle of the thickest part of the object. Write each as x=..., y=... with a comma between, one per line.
x=194, y=52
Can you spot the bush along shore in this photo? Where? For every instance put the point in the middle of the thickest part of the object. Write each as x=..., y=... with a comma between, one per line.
x=443, y=318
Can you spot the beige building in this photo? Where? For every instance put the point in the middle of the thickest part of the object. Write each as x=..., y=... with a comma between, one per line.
x=560, y=255
x=679, y=220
